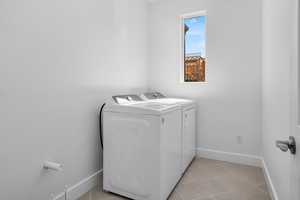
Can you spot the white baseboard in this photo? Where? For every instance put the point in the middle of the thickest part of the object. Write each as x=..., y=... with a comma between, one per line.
x=230, y=157
x=80, y=188
x=269, y=182
x=61, y=196
x=83, y=186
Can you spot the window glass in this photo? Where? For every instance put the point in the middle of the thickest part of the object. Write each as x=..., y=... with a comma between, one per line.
x=194, y=49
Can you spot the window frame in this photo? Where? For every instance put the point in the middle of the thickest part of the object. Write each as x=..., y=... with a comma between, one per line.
x=182, y=41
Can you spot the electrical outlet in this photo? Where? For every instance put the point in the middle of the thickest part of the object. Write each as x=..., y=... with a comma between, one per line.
x=239, y=139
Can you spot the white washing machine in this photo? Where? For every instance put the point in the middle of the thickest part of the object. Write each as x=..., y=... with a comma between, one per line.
x=142, y=148
x=188, y=126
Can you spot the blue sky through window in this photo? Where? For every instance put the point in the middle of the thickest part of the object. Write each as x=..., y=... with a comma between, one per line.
x=195, y=36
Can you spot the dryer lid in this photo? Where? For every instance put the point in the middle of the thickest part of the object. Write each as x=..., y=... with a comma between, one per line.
x=160, y=98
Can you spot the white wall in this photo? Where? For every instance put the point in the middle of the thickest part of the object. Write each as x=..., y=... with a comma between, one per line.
x=276, y=95
x=59, y=60
x=230, y=102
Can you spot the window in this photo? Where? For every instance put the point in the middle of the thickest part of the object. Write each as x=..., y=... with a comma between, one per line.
x=193, y=45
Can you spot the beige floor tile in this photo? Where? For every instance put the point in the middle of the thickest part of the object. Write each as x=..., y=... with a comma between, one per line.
x=254, y=195
x=175, y=196
x=198, y=190
x=250, y=174
x=206, y=198
x=263, y=187
x=209, y=180
x=204, y=170
x=229, y=196
x=85, y=196
x=259, y=196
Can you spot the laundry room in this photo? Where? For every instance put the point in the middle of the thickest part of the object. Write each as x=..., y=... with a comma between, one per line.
x=149, y=100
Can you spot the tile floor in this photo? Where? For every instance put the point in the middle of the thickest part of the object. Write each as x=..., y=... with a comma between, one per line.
x=210, y=180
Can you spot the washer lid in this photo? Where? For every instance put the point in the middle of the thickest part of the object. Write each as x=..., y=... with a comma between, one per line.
x=149, y=108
